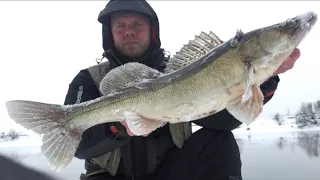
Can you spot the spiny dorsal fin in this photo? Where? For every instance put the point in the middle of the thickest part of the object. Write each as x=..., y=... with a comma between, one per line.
x=193, y=51
x=125, y=76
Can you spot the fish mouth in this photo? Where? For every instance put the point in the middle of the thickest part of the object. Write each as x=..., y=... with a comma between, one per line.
x=301, y=25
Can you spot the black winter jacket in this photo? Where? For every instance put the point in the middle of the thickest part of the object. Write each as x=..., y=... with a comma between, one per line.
x=140, y=155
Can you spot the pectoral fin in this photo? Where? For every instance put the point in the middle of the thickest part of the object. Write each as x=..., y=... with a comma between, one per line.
x=140, y=125
x=248, y=91
x=126, y=75
x=249, y=110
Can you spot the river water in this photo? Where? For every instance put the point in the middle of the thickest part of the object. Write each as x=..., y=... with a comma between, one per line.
x=265, y=156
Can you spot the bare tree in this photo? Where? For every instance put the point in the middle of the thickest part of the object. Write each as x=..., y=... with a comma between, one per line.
x=277, y=117
x=306, y=115
x=316, y=107
x=307, y=109
x=13, y=134
x=310, y=142
x=2, y=135
x=288, y=113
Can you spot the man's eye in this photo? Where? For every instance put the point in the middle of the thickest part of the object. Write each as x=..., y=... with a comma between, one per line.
x=120, y=26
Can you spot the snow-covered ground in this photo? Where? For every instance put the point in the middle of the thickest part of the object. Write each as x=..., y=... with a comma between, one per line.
x=23, y=141
x=261, y=126
x=268, y=125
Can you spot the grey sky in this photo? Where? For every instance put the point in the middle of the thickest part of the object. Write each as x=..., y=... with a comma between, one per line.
x=44, y=44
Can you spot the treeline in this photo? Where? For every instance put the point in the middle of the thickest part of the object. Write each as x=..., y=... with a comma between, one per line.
x=12, y=134
x=308, y=115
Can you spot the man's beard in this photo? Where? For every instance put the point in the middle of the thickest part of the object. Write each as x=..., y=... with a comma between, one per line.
x=138, y=58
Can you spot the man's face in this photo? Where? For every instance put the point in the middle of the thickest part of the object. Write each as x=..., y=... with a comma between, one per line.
x=131, y=34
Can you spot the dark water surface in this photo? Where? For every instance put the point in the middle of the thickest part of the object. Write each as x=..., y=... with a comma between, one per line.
x=265, y=156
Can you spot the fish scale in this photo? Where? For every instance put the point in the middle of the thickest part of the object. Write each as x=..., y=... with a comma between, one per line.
x=203, y=78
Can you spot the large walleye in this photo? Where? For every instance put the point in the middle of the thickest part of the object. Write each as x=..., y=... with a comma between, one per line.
x=205, y=77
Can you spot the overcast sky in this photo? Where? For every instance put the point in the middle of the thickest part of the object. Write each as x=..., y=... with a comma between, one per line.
x=45, y=44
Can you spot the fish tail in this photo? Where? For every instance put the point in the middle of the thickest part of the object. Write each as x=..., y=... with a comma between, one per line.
x=60, y=138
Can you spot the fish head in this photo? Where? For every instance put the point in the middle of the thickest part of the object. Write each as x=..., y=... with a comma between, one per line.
x=267, y=48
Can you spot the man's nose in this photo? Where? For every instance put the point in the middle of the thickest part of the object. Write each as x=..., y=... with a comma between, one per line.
x=130, y=31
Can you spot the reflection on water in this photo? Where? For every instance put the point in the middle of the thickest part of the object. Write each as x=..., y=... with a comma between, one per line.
x=282, y=143
x=264, y=156
x=310, y=142
x=280, y=156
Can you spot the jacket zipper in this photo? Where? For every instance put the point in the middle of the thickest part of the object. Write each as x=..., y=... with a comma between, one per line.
x=132, y=158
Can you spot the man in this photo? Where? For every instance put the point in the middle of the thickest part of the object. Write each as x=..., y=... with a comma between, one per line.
x=130, y=31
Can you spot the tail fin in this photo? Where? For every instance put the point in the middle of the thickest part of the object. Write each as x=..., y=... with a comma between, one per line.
x=60, y=139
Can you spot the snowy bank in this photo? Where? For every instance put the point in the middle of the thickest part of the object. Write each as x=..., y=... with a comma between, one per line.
x=22, y=141
x=265, y=127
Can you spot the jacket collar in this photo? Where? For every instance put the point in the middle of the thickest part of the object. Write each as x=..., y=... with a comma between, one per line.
x=154, y=59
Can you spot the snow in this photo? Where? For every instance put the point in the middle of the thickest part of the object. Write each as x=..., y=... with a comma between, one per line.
x=269, y=126
x=265, y=126
x=11, y=125
x=23, y=141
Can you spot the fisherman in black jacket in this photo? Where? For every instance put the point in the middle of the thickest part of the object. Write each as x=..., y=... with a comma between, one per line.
x=111, y=152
